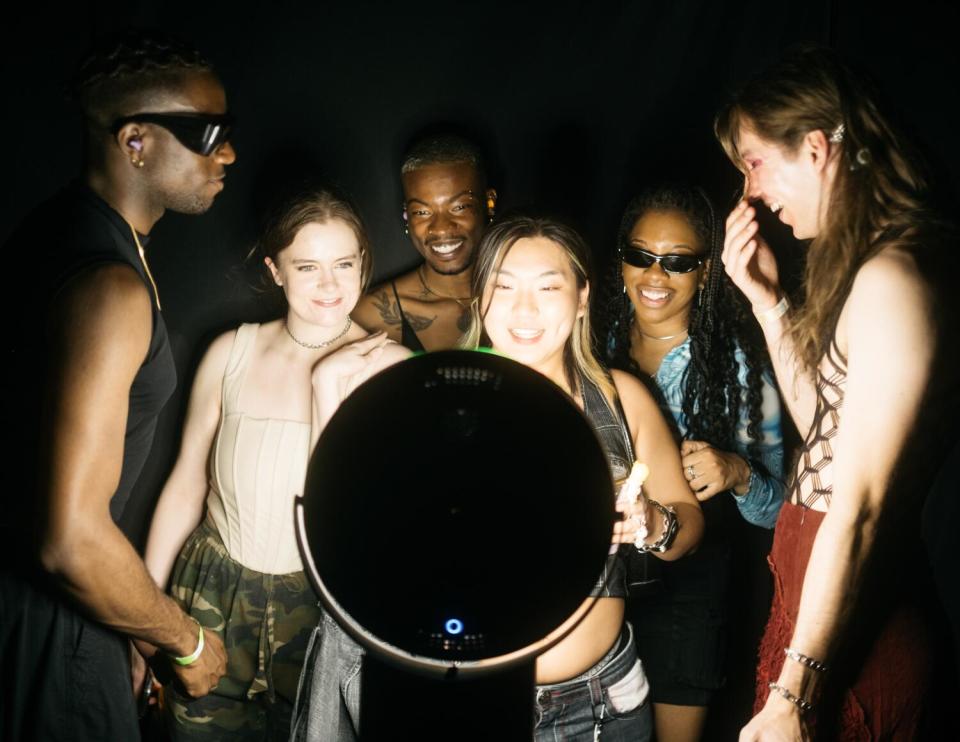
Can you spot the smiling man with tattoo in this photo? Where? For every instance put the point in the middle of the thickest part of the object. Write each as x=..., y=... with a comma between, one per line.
x=446, y=206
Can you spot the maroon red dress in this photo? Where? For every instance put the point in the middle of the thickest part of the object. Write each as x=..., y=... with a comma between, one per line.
x=886, y=698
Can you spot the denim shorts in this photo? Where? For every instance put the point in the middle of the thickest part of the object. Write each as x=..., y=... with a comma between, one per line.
x=610, y=699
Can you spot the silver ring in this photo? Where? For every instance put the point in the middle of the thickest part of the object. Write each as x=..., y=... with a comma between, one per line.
x=690, y=473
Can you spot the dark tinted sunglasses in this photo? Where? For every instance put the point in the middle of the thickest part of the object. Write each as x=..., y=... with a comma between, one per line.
x=200, y=132
x=670, y=263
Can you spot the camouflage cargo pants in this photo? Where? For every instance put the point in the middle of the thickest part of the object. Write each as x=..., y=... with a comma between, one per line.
x=265, y=622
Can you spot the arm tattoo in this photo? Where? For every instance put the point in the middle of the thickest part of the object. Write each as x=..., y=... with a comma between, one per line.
x=389, y=313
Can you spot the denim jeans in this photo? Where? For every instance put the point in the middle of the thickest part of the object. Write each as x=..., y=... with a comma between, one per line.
x=328, y=699
x=609, y=702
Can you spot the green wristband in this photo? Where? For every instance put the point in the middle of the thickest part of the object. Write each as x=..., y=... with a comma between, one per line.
x=191, y=658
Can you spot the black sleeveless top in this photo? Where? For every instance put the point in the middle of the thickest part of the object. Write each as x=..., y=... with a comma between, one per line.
x=614, y=436
x=70, y=233
x=408, y=336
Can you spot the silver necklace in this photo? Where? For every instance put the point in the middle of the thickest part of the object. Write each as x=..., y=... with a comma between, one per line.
x=322, y=344
x=662, y=337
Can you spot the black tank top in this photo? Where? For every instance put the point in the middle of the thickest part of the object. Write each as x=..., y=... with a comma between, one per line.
x=611, y=429
x=408, y=336
x=74, y=231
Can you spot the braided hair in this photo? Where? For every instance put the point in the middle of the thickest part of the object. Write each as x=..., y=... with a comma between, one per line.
x=713, y=398
x=125, y=70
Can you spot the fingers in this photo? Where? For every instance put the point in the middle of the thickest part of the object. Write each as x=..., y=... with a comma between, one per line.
x=625, y=531
x=688, y=447
x=707, y=492
x=365, y=345
x=201, y=676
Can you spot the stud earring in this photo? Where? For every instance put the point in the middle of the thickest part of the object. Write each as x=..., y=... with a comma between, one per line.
x=137, y=162
x=406, y=219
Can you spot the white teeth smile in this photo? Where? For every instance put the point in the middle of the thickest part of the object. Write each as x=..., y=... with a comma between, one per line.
x=446, y=248
x=654, y=294
x=526, y=334
x=776, y=206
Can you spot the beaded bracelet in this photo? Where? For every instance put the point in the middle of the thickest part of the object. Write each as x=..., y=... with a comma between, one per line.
x=800, y=703
x=191, y=658
x=805, y=659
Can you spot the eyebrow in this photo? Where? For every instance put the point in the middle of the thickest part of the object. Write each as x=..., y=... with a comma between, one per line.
x=352, y=256
x=452, y=198
x=502, y=272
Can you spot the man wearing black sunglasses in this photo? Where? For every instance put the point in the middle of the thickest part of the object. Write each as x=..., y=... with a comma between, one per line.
x=93, y=365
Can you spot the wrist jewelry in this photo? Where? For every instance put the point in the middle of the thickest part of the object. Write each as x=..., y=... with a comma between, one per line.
x=768, y=316
x=800, y=703
x=805, y=660
x=191, y=658
x=670, y=528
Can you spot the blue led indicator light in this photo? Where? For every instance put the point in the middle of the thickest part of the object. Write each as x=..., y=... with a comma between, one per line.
x=454, y=626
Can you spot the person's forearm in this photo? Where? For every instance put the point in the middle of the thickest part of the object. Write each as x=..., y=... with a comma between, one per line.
x=328, y=393
x=689, y=532
x=831, y=586
x=761, y=503
x=176, y=516
x=99, y=568
x=797, y=387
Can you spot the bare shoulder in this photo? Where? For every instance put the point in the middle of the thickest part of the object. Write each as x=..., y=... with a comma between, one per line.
x=114, y=287
x=393, y=353
x=409, y=285
x=376, y=309
x=633, y=394
x=107, y=306
x=215, y=359
x=890, y=284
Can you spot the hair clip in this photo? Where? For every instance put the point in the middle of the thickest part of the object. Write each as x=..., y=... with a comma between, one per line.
x=836, y=136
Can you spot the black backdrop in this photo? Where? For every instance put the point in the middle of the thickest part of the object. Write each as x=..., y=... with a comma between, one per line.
x=580, y=104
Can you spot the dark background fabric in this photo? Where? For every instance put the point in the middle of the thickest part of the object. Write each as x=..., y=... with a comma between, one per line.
x=579, y=104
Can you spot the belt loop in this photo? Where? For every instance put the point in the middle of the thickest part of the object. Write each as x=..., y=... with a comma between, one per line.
x=596, y=699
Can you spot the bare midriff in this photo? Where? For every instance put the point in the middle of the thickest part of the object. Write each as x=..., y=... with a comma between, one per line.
x=585, y=646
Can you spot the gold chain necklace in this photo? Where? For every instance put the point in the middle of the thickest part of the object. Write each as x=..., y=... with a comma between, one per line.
x=143, y=260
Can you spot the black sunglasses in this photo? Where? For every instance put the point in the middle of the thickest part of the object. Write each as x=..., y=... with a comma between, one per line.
x=670, y=263
x=199, y=132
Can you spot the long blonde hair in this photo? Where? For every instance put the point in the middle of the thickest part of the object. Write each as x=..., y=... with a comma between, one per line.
x=493, y=248
x=877, y=193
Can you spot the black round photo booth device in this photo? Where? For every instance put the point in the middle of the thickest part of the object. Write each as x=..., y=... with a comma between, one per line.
x=458, y=509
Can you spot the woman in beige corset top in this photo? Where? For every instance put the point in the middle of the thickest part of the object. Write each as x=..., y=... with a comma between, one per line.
x=261, y=396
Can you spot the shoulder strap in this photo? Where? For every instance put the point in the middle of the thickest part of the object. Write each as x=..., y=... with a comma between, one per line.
x=237, y=365
x=408, y=336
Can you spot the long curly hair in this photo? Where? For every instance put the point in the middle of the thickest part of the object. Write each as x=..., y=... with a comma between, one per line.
x=713, y=398
x=878, y=192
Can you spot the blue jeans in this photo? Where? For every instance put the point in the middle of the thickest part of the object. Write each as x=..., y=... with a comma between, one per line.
x=609, y=700
x=328, y=698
